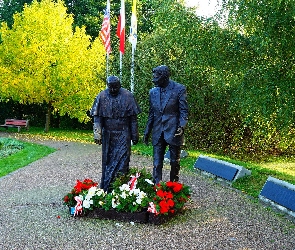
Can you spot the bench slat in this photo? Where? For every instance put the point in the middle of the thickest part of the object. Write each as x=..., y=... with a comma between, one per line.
x=17, y=123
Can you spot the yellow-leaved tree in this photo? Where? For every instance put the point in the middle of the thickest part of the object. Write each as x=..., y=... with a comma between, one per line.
x=42, y=60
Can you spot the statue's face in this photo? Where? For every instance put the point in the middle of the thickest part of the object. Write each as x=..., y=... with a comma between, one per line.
x=114, y=88
x=114, y=85
x=160, y=76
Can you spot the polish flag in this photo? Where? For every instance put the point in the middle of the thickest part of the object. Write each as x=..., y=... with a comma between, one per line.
x=121, y=27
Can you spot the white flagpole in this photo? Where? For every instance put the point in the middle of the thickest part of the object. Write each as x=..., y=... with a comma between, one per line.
x=132, y=71
x=107, y=68
x=133, y=41
x=108, y=65
x=121, y=65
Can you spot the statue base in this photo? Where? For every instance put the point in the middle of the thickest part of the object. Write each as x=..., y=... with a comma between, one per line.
x=140, y=217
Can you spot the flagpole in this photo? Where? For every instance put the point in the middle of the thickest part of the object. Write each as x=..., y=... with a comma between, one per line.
x=133, y=41
x=121, y=65
x=132, y=70
x=107, y=63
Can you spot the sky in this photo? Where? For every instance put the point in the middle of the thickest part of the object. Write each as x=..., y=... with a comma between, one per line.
x=205, y=8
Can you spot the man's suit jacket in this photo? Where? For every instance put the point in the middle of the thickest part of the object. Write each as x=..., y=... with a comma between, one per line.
x=167, y=113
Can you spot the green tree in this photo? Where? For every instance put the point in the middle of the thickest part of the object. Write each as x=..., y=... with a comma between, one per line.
x=43, y=61
x=201, y=55
x=268, y=110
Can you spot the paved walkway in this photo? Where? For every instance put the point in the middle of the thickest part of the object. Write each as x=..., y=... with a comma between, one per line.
x=33, y=217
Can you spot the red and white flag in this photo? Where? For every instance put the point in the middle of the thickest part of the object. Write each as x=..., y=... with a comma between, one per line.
x=121, y=27
x=105, y=33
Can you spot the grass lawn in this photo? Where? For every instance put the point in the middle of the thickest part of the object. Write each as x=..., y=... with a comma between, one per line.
x=30, y=153
x=282, y=168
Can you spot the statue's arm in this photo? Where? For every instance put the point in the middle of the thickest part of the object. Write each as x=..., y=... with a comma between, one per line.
x=183, y=112
x=96, y=120
x=97, y=130
x=149, y=124
x=134, y=129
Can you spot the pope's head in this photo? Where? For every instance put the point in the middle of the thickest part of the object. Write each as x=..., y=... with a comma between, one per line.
x=114, y=85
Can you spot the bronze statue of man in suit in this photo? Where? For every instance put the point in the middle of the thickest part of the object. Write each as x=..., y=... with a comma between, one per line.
x=168, y=116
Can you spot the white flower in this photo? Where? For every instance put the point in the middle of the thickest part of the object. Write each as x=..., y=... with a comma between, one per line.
x=123, y=195
x=135, y=191
x=92, y=191
x=138, y=201
x=125, y=187
x=141, y=195
x=149, y=181
x=88, y=197
x=100, y=192
x=87, y=203
x=101, y=203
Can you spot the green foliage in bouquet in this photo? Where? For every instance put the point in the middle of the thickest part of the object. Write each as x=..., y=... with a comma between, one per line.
x=131, y=192
x=144, y=181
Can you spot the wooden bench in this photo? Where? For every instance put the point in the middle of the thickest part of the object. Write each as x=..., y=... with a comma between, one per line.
x=14, y=123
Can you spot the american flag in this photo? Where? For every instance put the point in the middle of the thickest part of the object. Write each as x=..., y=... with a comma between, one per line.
x=105, y=33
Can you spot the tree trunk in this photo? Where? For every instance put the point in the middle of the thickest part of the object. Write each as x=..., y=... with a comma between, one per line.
x=47, y=122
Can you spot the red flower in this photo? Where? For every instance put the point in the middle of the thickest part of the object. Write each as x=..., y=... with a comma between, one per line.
x=78, y=186
x=66, y=198
x=170, y=203
x=168, y=195
x=85, y=185
x=160, y=193
x=177, y=187
x=170, y=184
x=164, y=208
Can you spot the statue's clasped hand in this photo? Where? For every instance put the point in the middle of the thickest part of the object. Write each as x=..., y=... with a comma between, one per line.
x=97, y=134
x=179, y=131
x=97, y=141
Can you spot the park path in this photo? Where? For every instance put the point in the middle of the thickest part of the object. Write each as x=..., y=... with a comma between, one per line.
x=33, y=217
